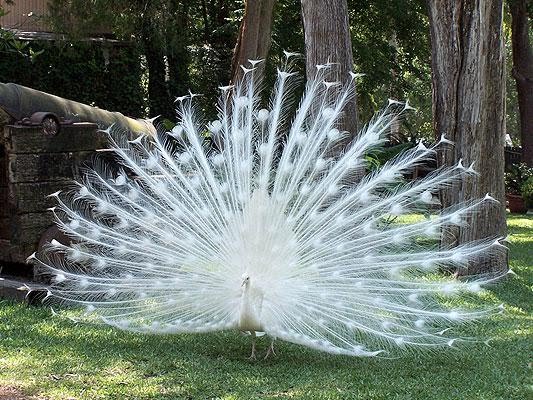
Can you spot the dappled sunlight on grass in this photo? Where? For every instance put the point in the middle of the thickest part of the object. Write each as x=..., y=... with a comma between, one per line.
x=53, y=357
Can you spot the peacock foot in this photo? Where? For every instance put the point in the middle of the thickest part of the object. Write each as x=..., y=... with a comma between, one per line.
x=270, y=351
x=252, y=356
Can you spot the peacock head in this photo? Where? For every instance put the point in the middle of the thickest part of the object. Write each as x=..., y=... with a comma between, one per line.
x=245, y=279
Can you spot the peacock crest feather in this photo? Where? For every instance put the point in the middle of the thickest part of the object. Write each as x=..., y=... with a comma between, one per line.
x=256, y=222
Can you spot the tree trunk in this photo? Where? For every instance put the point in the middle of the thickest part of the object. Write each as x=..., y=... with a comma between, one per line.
x=523, y=74
x=253, y=42
x=469, y=107
x=327, y=39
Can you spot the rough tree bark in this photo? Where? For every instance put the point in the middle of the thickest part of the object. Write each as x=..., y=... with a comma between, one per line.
x=523, y=74
x=469, y=107
x=253, y=42
x=327, y=39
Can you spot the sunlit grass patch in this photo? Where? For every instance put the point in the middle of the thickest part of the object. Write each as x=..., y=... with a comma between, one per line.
x=55, y=358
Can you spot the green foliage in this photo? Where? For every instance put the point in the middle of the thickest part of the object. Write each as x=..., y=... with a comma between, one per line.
x=212, y=28
x=512, y=120
x=96, y=73
x=51, y=357
x=9, y=44
x=516, y=177
x=196, y=38
x=527, y=192
x=391, y=46
x=187, y=44
x=194, y=41
x=377, y=158
x=81, y=71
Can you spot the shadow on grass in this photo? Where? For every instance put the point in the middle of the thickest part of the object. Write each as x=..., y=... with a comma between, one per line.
x=521, y=230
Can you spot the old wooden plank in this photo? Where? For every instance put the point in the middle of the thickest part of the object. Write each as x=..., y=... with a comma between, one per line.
x=3, y=164
x=5, y=208
x=6, y=250
x=35, y=167
x=28, y=228
x=76, y=137
x=15, y=253
x=21, y=234
x=32, y=197
x=5, y=232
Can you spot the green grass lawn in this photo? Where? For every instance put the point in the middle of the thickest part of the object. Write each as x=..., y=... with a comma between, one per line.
x=47, y=357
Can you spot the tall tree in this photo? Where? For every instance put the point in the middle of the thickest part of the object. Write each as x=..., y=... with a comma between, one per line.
x=253, y=42
x=523, y=74
x=469, y=107
x=327, y=39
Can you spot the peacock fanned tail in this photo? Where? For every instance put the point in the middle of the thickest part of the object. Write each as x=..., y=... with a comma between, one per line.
x=257, y=222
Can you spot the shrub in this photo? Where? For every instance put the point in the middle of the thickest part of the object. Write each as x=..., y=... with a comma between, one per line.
x=105, y=75
x=527, y=192
x=516, y=177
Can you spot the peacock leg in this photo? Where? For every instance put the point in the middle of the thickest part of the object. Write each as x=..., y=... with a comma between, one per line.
x=270, y=349
x=252, y=356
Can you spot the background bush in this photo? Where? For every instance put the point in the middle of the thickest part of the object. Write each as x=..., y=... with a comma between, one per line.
x=101, y=74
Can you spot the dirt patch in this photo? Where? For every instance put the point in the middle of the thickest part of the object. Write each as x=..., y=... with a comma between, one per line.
x=12, y=393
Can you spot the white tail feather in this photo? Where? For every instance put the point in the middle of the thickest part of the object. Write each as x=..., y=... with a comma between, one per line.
x=270, y=232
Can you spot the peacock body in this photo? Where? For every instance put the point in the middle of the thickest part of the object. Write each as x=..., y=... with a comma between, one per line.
x=255, y=222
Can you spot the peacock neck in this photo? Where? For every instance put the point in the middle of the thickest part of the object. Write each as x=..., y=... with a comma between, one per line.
x=250, y=308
